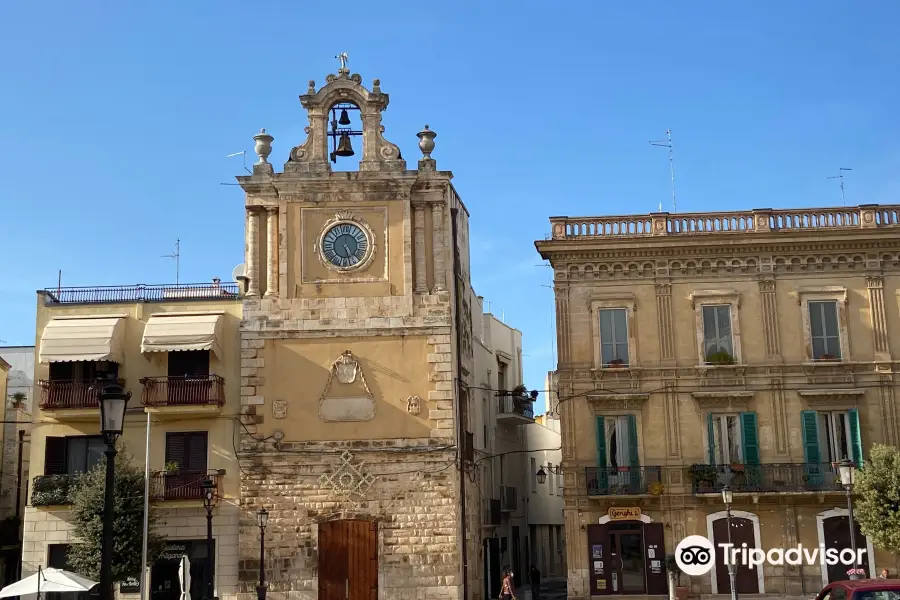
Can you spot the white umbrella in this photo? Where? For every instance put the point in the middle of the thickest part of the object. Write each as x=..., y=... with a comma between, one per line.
x=48, y=580
x=184, y=577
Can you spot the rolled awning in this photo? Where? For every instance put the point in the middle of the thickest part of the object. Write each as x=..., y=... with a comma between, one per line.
x=175, y=332
x=67, y=339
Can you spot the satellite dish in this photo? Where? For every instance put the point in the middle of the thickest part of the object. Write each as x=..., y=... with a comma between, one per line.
x=238, y=271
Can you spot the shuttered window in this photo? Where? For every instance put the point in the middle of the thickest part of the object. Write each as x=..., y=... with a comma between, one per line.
x=187, y=449
x=72, y=455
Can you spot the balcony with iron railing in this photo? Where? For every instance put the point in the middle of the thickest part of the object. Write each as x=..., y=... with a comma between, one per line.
x=765, y=220
x=183, y=395
x=517, y=408
x=70, y=399
x=51, y=490
x=765, y=478
x=624, y=481
x=175, y=486
x=509, y=499
x=141, y=293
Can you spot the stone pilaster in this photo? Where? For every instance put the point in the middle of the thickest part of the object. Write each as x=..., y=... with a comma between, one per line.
x=271, y=251
x=438, y=247
x=419, y=248
x=252, y=250
x=770, y=317
x=664, y=321
x=875, y=286
x=561, y=292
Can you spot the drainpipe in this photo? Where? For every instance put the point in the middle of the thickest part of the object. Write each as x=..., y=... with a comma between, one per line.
x=461, y=413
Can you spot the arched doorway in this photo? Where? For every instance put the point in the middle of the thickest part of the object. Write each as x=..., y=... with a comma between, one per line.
x=626, y=557
x=744, y=530
x=834, y=532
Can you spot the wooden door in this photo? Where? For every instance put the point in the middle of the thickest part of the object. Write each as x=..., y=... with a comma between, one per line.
x=348, y=560
x=837, y=535
x=741, y=533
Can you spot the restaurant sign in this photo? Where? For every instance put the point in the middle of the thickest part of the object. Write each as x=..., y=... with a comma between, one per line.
x=624, y=514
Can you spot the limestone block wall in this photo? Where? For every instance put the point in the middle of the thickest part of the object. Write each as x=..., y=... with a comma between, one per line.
x=413, y=497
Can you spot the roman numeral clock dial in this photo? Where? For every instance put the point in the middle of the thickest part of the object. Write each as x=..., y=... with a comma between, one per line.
x=345, y=245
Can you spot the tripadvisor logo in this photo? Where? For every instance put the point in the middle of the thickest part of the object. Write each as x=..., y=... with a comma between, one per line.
x=695, y=555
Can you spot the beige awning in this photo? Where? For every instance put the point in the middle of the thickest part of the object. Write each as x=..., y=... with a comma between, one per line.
x=187, y=331
x=67, y=339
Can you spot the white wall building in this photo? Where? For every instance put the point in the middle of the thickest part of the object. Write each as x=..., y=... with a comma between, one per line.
x=545, y=505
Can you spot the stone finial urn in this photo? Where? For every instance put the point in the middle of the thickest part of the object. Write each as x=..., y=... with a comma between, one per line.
x=426, y=141
x=263, y=146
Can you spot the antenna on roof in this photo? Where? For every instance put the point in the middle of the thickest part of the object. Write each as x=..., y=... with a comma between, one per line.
x=244, y=154
x=177, y=256
x=667, y=143
x=840, y=176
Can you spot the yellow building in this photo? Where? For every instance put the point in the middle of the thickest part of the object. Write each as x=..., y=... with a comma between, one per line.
x=751, y=349
x=176, y=348
x=357, y=357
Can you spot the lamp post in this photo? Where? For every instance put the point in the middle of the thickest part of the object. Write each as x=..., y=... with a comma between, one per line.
x=262, y=518
x=728, y=498
x=209, y=495
x=847, y=470
x=113, y=402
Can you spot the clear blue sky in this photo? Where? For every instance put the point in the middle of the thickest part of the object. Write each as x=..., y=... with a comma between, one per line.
x=116, y=119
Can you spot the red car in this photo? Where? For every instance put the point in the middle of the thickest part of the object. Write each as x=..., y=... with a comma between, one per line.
x=861, y=589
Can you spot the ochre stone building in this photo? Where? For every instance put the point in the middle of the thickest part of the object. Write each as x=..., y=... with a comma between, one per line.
x=357, y=349
x=750, y=349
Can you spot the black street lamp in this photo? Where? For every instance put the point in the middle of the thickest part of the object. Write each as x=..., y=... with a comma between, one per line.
x=262, y=518
x=209, y=495
x=728, y=498
x=113, y=402
x=847, y=470
x=541, y=475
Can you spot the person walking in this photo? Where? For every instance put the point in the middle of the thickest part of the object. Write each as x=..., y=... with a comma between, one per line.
x=535, y=577
x=507, y=589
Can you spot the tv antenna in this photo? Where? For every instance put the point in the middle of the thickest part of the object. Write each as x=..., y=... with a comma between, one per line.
x=667, y=143
x=177, y=256
x=840, y=176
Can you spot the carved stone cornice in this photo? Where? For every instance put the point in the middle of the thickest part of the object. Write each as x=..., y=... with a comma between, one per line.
x=606, y=401
x=724, y=399
x=835, y=397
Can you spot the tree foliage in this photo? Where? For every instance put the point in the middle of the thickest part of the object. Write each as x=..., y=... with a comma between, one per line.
x=87, y=519
x=877, y=504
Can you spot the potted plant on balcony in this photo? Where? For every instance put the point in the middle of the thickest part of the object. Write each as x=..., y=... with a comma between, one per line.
x=656, y=488
x=719, y=358
x=171, y=468
x=702, y=473
x=17, y=400
x=828, y=357
x=676, y=590
x=616, y=363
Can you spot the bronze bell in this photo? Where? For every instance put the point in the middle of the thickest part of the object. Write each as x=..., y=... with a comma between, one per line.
x=344, y=147
x=345, y=118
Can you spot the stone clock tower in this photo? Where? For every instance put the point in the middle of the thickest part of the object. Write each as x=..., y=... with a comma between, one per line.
x=356, y=356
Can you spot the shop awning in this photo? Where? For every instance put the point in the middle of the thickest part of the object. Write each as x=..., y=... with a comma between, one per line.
x=67, y=339
x=186, y=331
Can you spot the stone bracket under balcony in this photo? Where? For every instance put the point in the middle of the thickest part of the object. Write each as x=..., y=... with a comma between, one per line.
x=723, y=400
x=604, y=401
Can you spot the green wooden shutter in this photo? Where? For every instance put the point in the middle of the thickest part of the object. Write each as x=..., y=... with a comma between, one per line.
x=634, y=476
x=809, y=427
x=855, y=437
x=710, y=432
x=750, y=438
x=602, y=480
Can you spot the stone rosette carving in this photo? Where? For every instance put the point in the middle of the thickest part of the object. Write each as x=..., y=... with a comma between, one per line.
x=348, y=480
x=414, y=405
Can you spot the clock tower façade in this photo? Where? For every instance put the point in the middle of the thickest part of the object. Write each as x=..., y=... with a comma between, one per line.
x=356, y=353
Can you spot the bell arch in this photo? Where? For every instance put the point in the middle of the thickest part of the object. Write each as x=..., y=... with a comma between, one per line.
x=378, y=154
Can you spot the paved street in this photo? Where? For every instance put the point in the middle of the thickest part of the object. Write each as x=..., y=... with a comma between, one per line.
x=553, y=588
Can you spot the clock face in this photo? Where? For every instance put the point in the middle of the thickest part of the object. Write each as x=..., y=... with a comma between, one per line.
x=345, y=245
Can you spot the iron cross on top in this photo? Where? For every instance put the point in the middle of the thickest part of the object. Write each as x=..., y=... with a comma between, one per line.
x=343, y=58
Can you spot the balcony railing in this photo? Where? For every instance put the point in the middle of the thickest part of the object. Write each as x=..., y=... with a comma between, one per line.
x=49, y=490
x=491, y=515
x=181, y=485
x=782, y=477
x=63, y=394
x=624, y=481
x=732, y=222
x=516, y=406
x=183, y=391
x=509, y=500
x=141, y=293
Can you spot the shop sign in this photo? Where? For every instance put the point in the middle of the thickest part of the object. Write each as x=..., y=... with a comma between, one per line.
x=624, y=514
